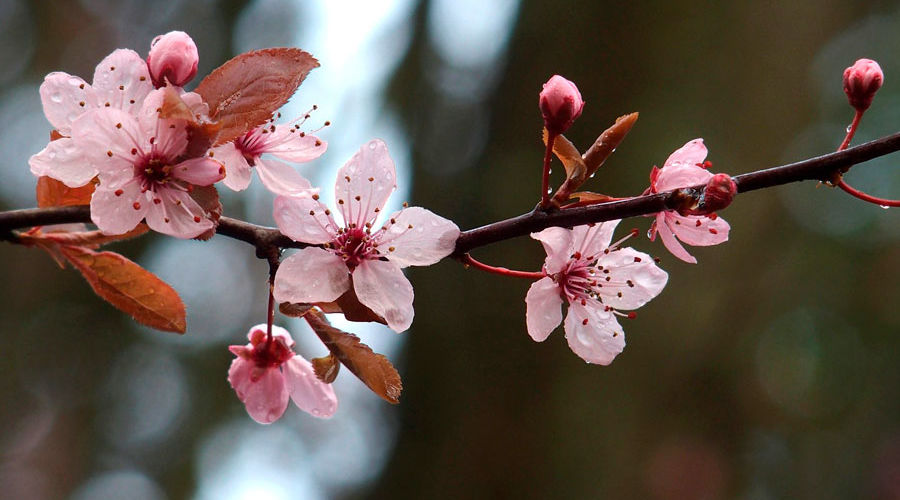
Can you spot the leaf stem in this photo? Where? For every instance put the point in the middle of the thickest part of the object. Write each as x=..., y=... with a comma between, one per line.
x=468, y=260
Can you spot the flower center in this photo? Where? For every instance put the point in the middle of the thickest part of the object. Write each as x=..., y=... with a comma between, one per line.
x=251, y=144
x=355, y=245
x=155, y=172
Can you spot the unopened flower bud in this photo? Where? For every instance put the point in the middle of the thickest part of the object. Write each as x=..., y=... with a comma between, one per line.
x=560, y=103
x=861, y=82
x=173, y=57
x=719, y=193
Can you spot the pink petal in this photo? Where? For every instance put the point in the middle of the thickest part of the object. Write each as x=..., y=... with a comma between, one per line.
x=418, y=237
x=632, y=274
x=107, y=136
x=116, y=213
x=170, y=137
x=194, y=101
x=681, y=175
x=62, y=160
x=708, y=232
x=237, y=170
x=543, y=312
x=264, y=395
x=669, y=240
x=287, y=144
x=591, y=241
x=305, y=220
x=369, y=175
x=122, y=80
x=381, y=287
x=308, y=392
x=199, y=171
x=692, y=153
x=598, y=340
x=176, y=214
x=311, y=275
x=557, y=242
x=281, y=178
x=65, y=98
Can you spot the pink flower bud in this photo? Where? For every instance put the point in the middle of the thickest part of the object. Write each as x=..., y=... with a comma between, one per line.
x=173, y=57
x=861, y=82
x=560, y=103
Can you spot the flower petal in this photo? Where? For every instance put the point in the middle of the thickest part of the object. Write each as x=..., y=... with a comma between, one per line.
x=264, y=394
x=176, y=214
x=381, y=286
x=122, y=80
x=281, y=178
x=591, y=240
x=62, y=160
x=557, y=242
x=118, y=210
x=364, y=184
x=669, y=240
x=418, y=237
x=308, y=392
x=692, y=153
x=289, y=145
x=681, y=175
x=634, y=279
x=698, y=230
x=593, y=334
x=65, y=98
x=311, y=275
x=107, y=137
x=237, y=170
x=305, y=220
x=199, y=171
x=543, y=311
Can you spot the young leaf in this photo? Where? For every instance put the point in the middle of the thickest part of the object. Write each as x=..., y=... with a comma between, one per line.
x=607, y=142
x=53, y=193
x=326, y=368
x=244, y=92
x=373, y=369
x=129, y=288
x=569, y=155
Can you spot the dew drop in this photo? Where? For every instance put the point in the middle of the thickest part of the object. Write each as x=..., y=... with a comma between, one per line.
x=373, y=145
x=56, y=97
x=549, y=171
x=849, y=128
x=884, y=207
x=592, y=175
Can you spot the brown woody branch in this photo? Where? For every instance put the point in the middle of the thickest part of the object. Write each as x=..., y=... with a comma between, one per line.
x=265, y=239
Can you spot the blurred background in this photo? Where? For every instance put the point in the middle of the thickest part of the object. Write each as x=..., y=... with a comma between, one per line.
x=769, y=370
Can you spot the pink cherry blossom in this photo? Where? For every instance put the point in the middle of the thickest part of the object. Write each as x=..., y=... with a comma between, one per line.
x=684, y=168
x=597, y=280
x=356, y=254
x=121, y=82
x=265, y=375
x=142, y=172
x=286, y=142
x=173, y=58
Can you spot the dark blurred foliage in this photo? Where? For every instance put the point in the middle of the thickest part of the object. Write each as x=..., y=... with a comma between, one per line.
x=768, y=370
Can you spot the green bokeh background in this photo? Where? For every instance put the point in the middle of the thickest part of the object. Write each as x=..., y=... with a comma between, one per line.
x=768, y=370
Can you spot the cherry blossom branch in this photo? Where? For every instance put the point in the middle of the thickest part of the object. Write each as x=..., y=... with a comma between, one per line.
x=264, y=239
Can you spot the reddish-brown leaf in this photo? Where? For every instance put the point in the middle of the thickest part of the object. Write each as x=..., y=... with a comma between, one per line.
x=90, y=239
x=326, y=368
x=129, y=288
x=372, y=368
x=294, y=310
x=607, y=142
x=591, y=198
x=569, y=155
x=244, y=92
x=347, y=304
x=53, y=193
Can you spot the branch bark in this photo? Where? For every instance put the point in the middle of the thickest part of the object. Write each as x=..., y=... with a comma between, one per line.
x=264, y=239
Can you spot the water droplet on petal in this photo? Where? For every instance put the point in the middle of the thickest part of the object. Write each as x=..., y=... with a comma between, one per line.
x=373, y=145
x=56, y=97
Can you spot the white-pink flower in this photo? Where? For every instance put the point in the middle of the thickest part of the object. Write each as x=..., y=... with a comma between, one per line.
x=597, y=280
x=684, y=168
x=265, y=375
x=356, y=254
x=286, y=142
x=142, y=172
x=121, y=81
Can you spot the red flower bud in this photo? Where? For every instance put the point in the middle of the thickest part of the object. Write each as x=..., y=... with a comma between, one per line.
x=719, y=193
x=173, y=57
x=861, y=82
x=560, y=103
